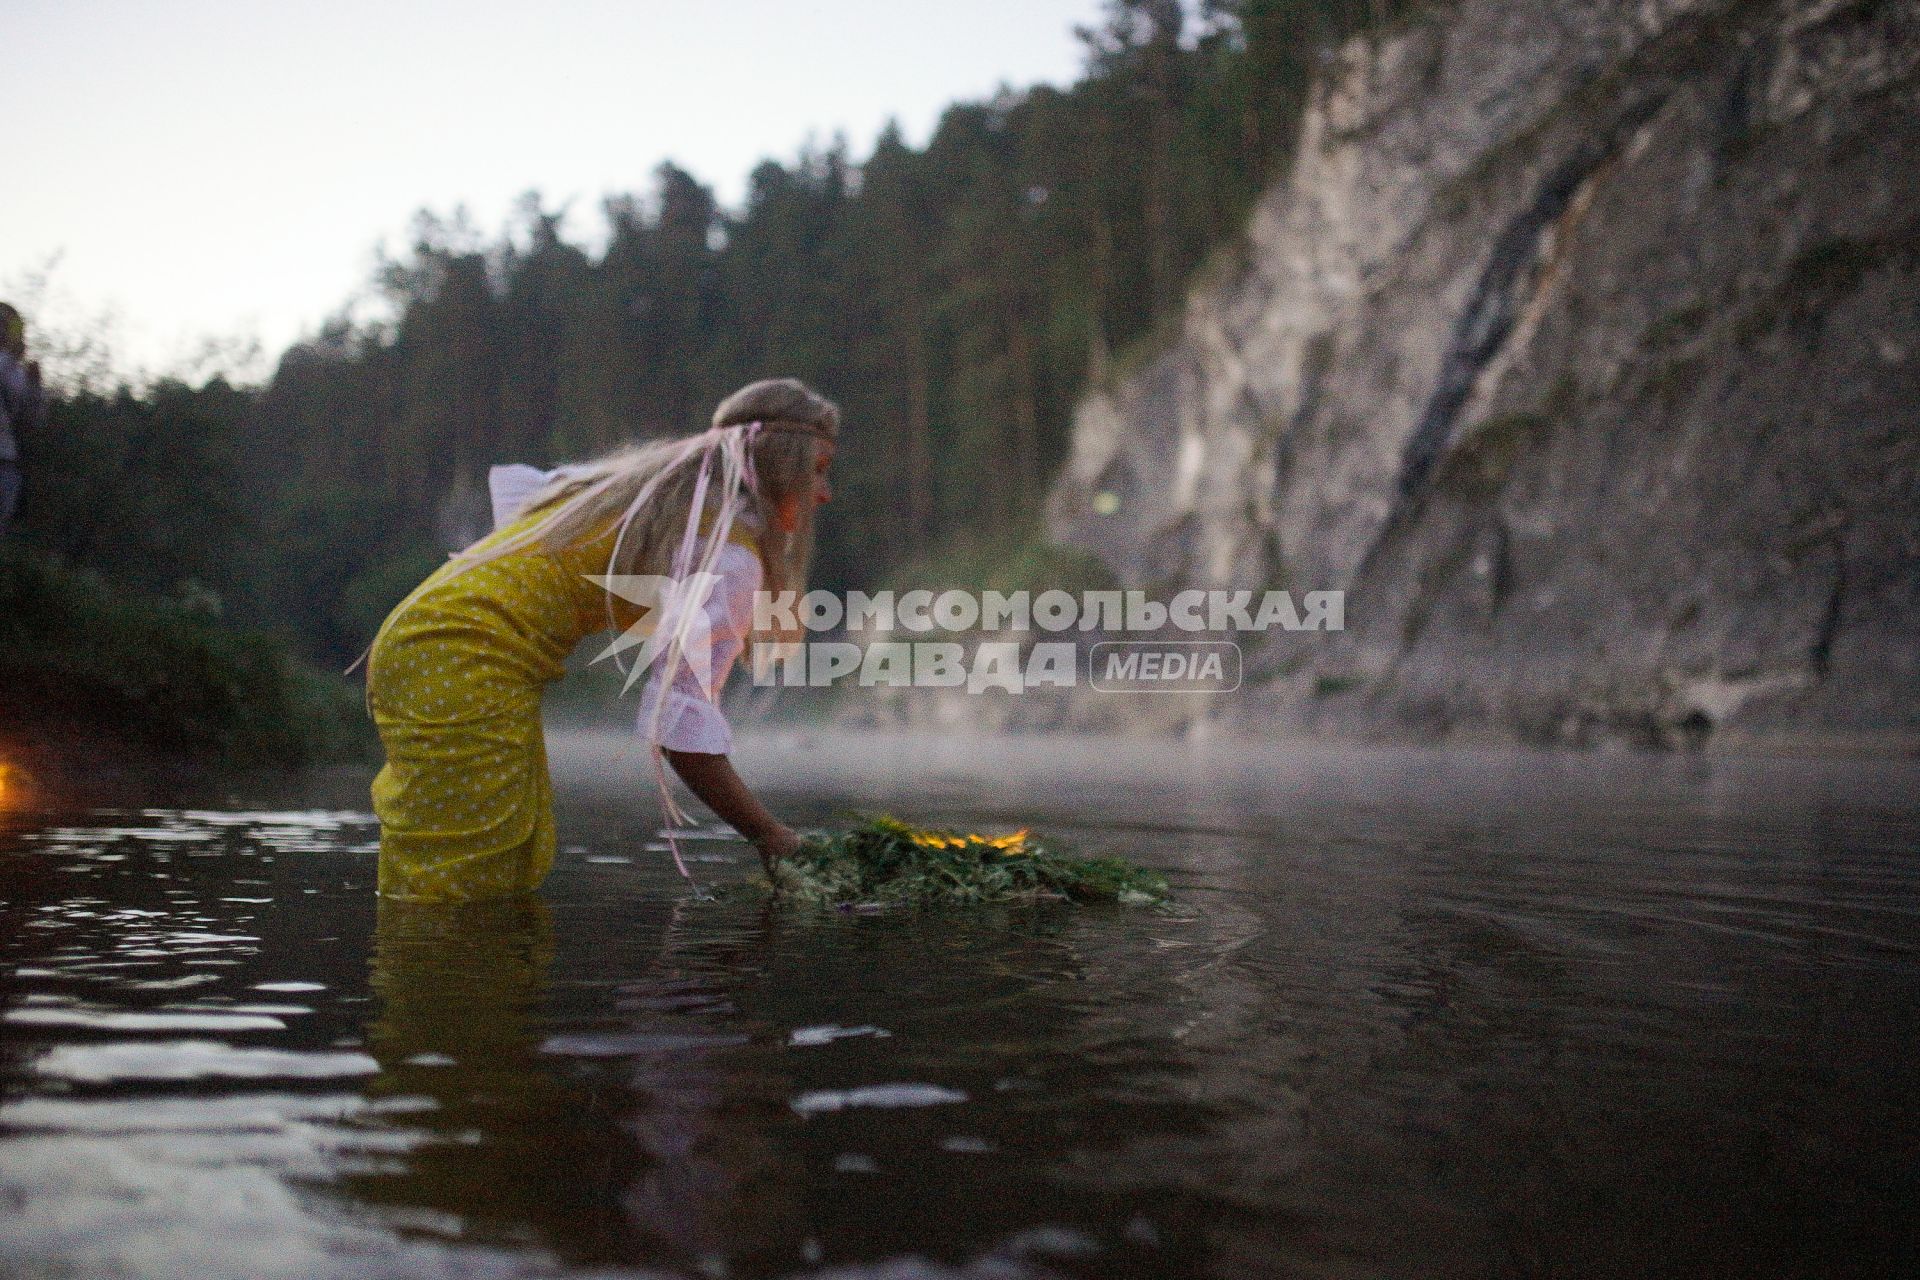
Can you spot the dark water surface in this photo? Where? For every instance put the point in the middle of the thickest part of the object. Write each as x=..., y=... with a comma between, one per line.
x=1418, y=1015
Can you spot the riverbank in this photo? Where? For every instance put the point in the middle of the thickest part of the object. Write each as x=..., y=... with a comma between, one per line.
x=103, y=692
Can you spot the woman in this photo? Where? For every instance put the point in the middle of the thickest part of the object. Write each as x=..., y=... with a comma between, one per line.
x=455, y=676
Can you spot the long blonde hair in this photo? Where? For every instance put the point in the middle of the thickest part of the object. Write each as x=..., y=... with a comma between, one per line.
x=767, y=436
x=646, y=492
x=649, y=488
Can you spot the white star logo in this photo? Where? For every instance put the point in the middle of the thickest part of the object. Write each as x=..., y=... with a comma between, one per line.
x=666, y=600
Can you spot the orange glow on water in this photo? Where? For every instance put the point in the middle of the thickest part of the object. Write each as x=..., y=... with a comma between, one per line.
x=16, y=786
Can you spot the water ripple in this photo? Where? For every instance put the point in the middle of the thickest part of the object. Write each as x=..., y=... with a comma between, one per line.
x=195, y=1060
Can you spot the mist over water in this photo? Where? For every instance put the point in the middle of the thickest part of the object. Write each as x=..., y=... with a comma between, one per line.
x=1414, y=1014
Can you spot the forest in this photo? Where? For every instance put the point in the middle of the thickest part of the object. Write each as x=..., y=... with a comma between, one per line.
x=956, y=300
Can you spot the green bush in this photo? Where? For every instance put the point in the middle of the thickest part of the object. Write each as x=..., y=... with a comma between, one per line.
x=79, y=656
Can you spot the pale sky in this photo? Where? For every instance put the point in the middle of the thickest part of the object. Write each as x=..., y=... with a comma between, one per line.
x=221, y=169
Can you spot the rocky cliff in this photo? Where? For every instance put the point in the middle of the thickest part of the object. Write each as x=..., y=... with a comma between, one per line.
x=1581, y=347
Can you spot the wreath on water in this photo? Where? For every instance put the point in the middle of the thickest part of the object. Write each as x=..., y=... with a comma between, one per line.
x=884, y=861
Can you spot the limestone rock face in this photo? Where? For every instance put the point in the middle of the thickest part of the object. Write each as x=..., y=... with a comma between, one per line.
x=1581, y=347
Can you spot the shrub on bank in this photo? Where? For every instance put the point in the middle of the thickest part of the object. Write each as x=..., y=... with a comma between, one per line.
x=81, y=658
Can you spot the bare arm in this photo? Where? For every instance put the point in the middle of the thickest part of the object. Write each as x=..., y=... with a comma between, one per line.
x=712, y=778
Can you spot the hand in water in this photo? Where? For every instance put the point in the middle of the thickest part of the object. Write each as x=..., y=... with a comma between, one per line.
x=781, y=842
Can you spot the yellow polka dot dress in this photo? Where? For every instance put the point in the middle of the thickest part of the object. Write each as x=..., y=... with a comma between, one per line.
x=454, y=684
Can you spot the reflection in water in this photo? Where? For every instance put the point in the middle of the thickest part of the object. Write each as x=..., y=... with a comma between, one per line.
x=600, y=1145
x=716, y=1185
x=1416, y=1016
x=505, y=1150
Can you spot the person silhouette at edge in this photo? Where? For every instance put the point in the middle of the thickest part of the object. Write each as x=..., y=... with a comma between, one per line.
x=23, y=404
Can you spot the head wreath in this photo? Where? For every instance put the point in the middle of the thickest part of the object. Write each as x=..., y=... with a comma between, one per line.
x=819, y=430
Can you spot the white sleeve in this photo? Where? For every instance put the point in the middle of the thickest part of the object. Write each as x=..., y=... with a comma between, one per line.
x=510, y=486
x=691, y=721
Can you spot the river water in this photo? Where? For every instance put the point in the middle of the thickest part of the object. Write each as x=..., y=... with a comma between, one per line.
x=1415, y=1014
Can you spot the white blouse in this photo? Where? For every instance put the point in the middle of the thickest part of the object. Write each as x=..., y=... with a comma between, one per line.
x=692, y=722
